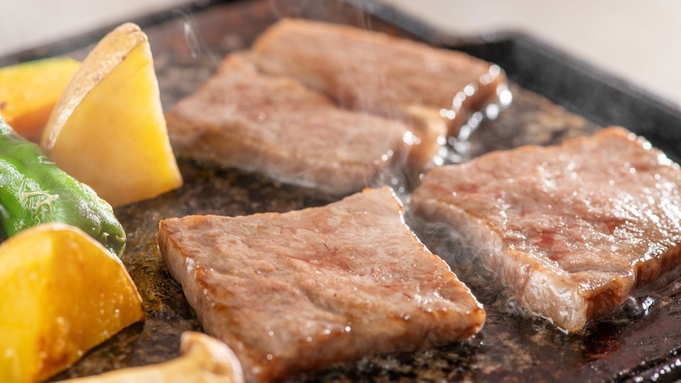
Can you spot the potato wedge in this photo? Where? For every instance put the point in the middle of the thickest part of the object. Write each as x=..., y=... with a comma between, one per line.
x=29, y=92
x=108, y=129
x=62, y=294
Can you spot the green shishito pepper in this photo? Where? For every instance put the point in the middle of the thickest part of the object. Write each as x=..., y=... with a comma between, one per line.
x=33, y=190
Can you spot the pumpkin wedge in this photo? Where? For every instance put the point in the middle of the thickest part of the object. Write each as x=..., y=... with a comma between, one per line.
x=29, y=91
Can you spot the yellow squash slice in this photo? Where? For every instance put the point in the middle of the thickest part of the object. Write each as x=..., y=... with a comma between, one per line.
x=108, y=129
x=62, y=294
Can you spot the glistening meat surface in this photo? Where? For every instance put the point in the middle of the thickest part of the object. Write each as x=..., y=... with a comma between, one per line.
x=306, y=289
x=374, y=72
x=570, y=229
x=241, y=118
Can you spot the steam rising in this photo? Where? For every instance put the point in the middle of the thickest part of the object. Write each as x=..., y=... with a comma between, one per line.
x=195, y=44
x=456, y=249
x=464, y=256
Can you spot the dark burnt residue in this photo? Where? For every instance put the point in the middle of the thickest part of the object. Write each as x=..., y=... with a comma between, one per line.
x=638, y=341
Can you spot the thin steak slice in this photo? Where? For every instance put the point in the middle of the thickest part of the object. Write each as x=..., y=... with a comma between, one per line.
x=374, y=72
x=241, y=118
x=310, y=288
x=571, y=229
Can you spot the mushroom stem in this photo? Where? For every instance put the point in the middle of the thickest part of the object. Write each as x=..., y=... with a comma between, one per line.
x=203, y=360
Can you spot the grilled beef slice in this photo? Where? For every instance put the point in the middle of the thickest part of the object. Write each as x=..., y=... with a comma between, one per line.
x=375, y=72
x=570, y=229
x=307, y=289
x=241, y=118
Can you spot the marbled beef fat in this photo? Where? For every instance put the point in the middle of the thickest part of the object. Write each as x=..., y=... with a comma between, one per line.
x=307, y=289
x=572, y=229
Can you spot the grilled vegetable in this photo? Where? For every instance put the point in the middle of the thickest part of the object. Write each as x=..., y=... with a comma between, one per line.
x=33, y=190
x=203, y=360
x=29, y=91
x=108, y=129
x=62, y=294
